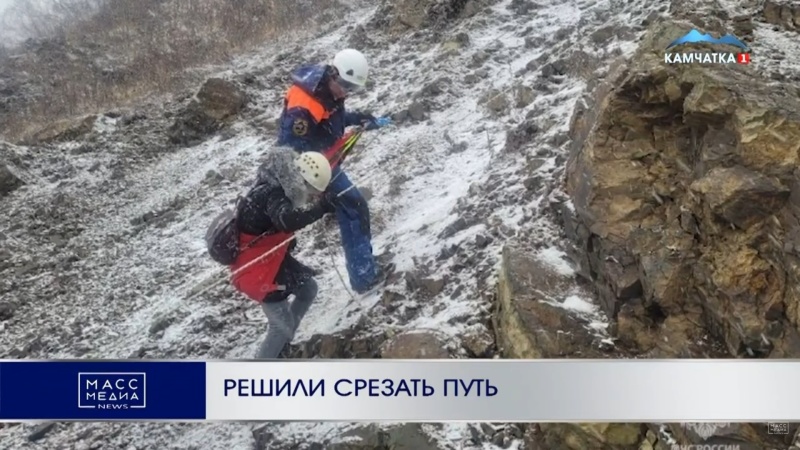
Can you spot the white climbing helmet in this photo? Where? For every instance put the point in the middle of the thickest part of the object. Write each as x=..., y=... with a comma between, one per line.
x=352, y=66
x=315, y=169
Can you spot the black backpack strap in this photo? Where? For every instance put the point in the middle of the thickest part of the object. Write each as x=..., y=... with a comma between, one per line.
x=240, y=198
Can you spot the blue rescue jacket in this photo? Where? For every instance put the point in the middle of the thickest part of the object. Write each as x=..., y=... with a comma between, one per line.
x=308, y=121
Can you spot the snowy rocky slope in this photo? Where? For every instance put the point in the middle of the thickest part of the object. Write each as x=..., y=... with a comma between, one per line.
x=103, y=255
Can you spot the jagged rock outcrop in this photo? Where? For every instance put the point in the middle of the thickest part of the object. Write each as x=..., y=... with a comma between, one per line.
x=529, y=320
x=416, y=14
x=217, y=103
x=531, y=323
x=601, y=436
x=63, y=130
x=415, y=345
x=359, y=342
x=351, y=343
x=684, y=189
x=783, y=13
x=686, y=215
x=409, y=436
x=8, y=181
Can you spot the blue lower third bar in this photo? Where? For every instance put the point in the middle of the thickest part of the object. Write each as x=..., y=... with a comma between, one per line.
x=96, y=390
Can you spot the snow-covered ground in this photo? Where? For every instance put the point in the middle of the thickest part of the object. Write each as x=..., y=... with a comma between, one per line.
x=424, y=176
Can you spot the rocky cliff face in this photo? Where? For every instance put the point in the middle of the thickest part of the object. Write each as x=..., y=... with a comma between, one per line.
x=684, y=189
x=783, y=13
x=684, y=215
x=9, y=180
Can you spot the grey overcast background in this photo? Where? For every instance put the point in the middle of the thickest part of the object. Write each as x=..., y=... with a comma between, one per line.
x=3, y=5
x=11, y=35
x=4, y=33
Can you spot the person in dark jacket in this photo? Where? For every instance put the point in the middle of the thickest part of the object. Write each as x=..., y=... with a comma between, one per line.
x=314, y=118
x=286, y=197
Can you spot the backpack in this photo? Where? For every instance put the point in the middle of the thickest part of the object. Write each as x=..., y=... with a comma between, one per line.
x=222, y=238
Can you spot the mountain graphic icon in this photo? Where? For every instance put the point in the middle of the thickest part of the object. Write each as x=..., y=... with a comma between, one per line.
x=695, y=36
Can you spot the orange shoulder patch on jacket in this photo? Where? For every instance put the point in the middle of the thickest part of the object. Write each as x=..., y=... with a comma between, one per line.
x=298, y=98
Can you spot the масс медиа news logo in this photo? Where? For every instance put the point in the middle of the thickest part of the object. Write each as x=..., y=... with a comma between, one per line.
x=696, y=37
x=111, y=390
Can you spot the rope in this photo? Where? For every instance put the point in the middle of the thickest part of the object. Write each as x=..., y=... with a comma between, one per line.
x=328, y=242
x=330, y=254
x=260, y=258
x=335, y=267
x=241, y=269
x=274, y=249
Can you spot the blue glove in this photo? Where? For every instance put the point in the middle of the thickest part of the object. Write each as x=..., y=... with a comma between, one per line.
x=374, y=123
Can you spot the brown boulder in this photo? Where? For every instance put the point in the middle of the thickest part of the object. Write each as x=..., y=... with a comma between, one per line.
x=528, y=321
x=687, y=204
x=63, y=130
x=218, y=102
x=409, y=436
x=740, y=196
x=479, y=343
x=782, y=12
x=530, y=324
x=8, y=181
x=417, y=14
x=600, y=436
x=415, y=345
x=221, y=99
x=412, y=13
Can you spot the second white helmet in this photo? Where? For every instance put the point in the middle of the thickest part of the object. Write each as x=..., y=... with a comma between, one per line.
x=315, y=169
x=352, y=66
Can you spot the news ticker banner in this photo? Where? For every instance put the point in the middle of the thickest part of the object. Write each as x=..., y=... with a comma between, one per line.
x=403, y=390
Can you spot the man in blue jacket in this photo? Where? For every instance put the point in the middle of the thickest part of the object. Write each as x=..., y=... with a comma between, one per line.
x=313, y=119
